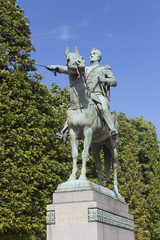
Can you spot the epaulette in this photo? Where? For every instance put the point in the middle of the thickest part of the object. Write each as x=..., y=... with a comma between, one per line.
x=107, y=67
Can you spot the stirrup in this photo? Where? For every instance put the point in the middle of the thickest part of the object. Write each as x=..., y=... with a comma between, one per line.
x=61, y=137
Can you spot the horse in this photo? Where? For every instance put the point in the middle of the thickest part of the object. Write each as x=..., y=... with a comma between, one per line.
x=85, y=123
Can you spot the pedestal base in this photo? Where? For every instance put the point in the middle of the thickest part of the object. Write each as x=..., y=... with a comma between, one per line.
x=89, y=212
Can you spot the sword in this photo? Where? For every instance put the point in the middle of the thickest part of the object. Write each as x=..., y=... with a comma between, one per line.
x=55, y=72
x=41, y=65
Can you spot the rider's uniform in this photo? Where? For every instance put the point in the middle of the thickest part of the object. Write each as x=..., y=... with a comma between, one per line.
x=98, y=81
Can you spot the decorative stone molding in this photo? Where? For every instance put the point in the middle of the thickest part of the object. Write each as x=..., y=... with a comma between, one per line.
x=98, y=215
x=50, y=218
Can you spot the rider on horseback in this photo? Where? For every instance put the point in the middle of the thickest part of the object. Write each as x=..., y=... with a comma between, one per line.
x=98, y=81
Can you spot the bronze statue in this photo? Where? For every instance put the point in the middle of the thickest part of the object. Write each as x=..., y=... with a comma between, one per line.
x=88, y=116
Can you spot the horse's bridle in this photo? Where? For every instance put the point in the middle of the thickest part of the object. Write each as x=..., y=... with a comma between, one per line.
x=78, y=77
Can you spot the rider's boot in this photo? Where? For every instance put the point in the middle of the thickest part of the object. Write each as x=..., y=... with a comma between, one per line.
x=63, y=135
x=108, y=119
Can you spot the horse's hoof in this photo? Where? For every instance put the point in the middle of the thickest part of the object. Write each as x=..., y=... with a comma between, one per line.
x=61, y=137
x=82, y=178
x=72, y=178
x=100, y=183
x=118, y=195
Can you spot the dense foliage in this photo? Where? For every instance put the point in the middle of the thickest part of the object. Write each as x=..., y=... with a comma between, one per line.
x=33, y=163
x=30, y=114
x=149, y=158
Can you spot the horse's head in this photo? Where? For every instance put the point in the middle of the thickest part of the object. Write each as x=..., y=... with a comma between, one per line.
x=75, y=62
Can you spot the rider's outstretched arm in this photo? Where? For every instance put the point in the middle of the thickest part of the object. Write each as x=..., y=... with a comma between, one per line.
x=58, y=68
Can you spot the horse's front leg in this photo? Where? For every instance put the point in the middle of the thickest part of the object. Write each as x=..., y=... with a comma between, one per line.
x=96, y=148
x=74, y=145
x=87, y=142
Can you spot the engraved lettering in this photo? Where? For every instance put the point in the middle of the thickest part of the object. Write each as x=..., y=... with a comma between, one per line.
x=71, y=216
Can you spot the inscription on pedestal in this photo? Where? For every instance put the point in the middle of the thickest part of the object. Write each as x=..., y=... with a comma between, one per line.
x=71, y=216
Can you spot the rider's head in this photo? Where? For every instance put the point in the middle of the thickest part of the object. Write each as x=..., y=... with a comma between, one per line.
x=95, y=55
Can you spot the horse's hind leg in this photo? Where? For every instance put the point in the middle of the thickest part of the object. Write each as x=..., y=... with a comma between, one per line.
x=115, y=165
x=87, y=142
x=107, y=162
x=96, y=156
x=115, y=182
x=74, y=145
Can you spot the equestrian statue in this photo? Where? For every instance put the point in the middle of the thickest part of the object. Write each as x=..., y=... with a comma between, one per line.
x=89, y=117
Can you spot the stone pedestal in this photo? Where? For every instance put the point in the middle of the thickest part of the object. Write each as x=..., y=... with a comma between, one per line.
x=82, y=210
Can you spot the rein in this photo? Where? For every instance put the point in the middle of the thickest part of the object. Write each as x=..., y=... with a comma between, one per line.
x=78, y=77
x=71, y=85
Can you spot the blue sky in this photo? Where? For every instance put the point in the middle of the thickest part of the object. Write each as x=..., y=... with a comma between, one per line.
x=126, y=31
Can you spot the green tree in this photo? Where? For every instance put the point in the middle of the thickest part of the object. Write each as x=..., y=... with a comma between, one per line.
x=149, y=158
x=130, y=177
x=31, y=159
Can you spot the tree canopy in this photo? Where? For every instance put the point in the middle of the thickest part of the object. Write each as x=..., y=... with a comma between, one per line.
x=30, y=115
